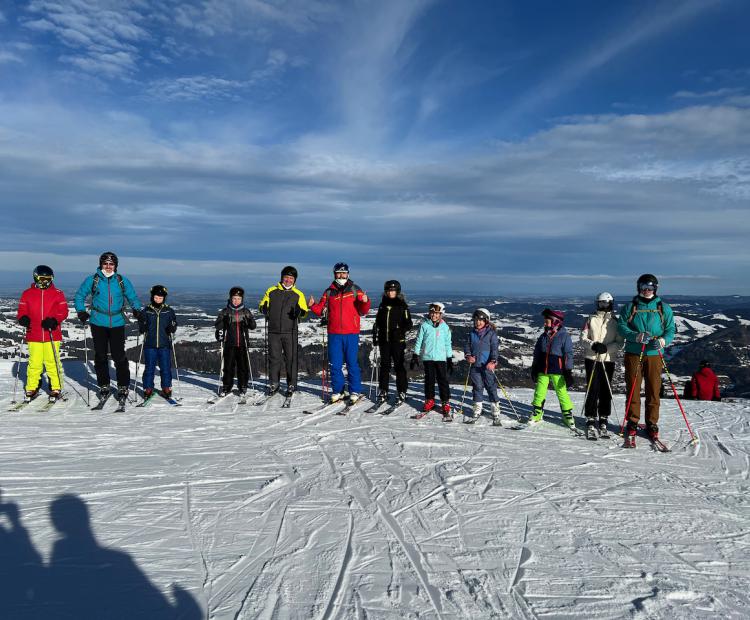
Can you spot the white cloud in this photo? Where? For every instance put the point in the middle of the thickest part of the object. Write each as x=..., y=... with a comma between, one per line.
x=710, y=94
x=6, y=56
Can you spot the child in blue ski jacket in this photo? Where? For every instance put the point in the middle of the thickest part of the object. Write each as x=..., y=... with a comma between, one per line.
x=553, y=363
x=480, y=351
x=157, y=323
x=434, y=346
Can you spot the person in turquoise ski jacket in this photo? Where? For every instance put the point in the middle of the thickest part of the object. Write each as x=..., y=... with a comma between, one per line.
x=109, y=292
x=434, y=346
x=553, y=363
x=647, y=325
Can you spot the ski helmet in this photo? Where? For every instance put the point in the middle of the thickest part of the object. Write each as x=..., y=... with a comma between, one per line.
x=648, y=280
x=556, y=316
x=43, y=276
x=340, y=267
x=237, y=290
x=437, y=306
x=108, y=256
x=289, y=271
x=604, y=301
x=481, y=313
x=392, y=285
x=705, y=364
x=160, y=290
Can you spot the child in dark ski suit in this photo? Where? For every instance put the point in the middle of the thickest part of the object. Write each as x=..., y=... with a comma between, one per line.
x=392, y=322
x=480, y=351
x=553, y=363
x=157, y=323
x=232, y=325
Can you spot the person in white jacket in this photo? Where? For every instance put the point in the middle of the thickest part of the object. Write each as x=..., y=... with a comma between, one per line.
x=601, y=342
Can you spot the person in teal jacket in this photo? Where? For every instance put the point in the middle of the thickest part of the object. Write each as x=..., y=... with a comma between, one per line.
x=647, y=325
x=109, y=292
x=434, y=346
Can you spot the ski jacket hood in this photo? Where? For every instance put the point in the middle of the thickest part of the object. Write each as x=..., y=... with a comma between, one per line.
x=38, y=304
x=344, y=306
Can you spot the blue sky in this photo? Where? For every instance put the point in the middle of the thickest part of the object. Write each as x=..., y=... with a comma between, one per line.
x=490, y=147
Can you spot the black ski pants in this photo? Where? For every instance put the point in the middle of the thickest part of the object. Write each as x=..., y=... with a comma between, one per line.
x=395, y=353
x=236, y=361
x=599, y=399
x=282, y=349
x=112, y=340
x=436, y=371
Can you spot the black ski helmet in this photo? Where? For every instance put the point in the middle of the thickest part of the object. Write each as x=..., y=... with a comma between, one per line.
x=648, y=279
x=236, y=290
x=289, y=271
x=340, y=267
x=43, y=276
x=392, y=285
x=160, y=290
x=108, y=256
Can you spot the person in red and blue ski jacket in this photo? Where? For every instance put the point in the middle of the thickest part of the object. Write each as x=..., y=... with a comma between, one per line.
x=232, y=325
x=480, y=351
x=157, y=323
x=343, y=303
x=553, y=363
x=109, y=292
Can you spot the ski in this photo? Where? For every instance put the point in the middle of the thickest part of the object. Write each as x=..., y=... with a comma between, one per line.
x=216, y=398
x=604, y=433
x=170, y=400
x=470, y=419
x=657, y=445
x=323, y=407
x=392, y=408
x=49, y=404
x=102, y=401
x=348, y=407
x=419, y=415
x=264, y=399
x=287, y=402
x=376, y=406
x=447, y=417
x=20, y=405
x=147, y=400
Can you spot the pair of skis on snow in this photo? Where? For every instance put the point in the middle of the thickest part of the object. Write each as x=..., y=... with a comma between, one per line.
x=45, y=407
x=145, y=402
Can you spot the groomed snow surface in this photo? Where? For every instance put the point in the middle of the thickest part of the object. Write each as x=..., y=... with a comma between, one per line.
x=260, y=512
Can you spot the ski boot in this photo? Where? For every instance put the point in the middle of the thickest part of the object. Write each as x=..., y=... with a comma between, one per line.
x=536, y=415
x=429, y=405
x=445, y=409
x=652, y=430
x=591, y=429
x=476, y=410
x=335, y=398
x=54, y=396
x=30, y=395
x=382, y=397
x=291, y=389
x=167, y=392
x=568, y=420
x=630, y=430
x=401, y=398
x=272, y=389
x=147, y=392
x=495, y=410
x=353, y=398
x=603, y=429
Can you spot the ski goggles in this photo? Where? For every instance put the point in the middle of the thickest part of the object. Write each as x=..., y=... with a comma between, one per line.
x=647, y=287
x=435, y=310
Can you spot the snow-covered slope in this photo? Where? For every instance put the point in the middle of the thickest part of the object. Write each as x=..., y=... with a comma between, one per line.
x=261, y=512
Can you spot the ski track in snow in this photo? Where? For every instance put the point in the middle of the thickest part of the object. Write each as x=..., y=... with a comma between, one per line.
x=263, y=512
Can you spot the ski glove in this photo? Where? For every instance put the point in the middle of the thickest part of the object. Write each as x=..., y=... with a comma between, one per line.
x=24, y=321
x=83, y=316
x=449, y=363
x=599, y=347
x=491, y=365
x=50, y=323
x=414, y=363
x=658, y=343
x=643, y=337
x=568, y=375
x=136, y=314
x=171, y=328
x=219, y=335
x=264, y=309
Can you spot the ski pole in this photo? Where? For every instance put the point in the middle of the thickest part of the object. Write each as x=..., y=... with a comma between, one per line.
x=86, y=365
x=58, y=365
x=466, y=387
x=295, y=365
x=693, y=437
x=176, y=370
x=507, y=397
x=221, y=362
x=588, y=387
x=373, y=370
x=137, y=364
x=611, y=393
x=249, y=364
x=18, y=372
x=636, y=381
x=324, y=373
x=265, y=348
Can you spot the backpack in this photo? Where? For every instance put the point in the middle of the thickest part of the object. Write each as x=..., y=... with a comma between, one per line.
x=659, y=309
x=95, y=288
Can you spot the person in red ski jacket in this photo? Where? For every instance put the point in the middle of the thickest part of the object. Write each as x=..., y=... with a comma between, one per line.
x=41, y=310
x=704, y=385
x=344, y=303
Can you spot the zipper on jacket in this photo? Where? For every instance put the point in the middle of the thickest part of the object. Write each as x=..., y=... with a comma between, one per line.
x=42, y=313
x=387, y=323
x=109, y=306
x=157, y=329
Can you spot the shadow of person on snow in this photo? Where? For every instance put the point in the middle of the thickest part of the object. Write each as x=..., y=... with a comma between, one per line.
x=86, y=580
x=20, y=565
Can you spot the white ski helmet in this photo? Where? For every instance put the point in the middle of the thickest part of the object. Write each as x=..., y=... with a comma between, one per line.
x=482, y=313
x=439, y=306
x=605, y=301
